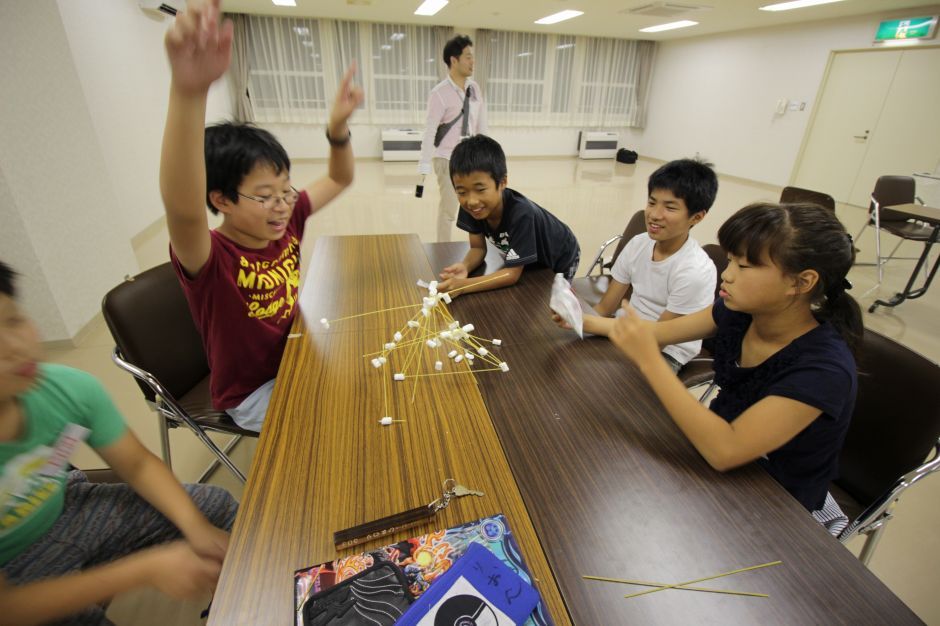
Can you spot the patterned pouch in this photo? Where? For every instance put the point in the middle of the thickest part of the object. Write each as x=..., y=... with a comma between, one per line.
x=377, y=595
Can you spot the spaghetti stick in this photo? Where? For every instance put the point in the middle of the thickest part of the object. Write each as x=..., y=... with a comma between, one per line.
x=349, y=317
x=698, y=580
x=644, y=583
x=491, y=278
x=489, y=369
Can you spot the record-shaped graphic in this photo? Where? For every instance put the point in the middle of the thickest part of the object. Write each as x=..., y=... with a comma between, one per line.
x=465, y=610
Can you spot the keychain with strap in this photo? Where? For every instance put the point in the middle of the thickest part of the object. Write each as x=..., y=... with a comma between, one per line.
x=401, y=521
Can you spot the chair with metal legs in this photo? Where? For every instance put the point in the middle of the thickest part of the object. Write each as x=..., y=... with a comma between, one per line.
x=893, y=191
x=158, y=344
x=895, y=426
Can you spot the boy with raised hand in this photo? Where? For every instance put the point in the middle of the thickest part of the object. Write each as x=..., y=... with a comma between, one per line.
x=670, y=274
x=524, y=232
x=240, y=279
x=67, y=545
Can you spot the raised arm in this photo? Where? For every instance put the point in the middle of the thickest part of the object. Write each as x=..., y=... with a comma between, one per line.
x=199, y=50
x=342, y=164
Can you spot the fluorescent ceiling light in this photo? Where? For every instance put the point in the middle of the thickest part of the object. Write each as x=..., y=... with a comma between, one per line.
x=559, y=17
x=669, y=26
x=284, y=3
x=524, y=54
x=564, y=46
x=397, y=36
x=430, y=7
x=795, y=4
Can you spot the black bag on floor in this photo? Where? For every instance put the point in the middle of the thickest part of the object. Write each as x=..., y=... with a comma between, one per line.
x=626, y=156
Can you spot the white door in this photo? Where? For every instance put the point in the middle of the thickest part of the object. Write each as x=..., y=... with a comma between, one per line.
x=878, y=114
x=907, y=136
x=837, y=141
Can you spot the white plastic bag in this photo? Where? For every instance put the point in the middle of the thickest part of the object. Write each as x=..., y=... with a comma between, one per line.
x=565, y=303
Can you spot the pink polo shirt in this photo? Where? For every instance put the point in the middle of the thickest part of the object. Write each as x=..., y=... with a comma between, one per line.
x=444, y=104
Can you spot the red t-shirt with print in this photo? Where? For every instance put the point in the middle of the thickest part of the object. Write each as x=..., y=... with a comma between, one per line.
x=243, y=302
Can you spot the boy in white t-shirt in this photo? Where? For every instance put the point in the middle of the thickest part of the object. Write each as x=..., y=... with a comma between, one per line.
x=670, y=274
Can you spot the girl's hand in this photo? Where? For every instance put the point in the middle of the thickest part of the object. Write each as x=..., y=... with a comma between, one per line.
x=198, y=47
x=560, y=322
x=634, y=336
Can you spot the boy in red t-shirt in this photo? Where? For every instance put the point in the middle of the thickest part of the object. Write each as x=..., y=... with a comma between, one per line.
x=240, y=279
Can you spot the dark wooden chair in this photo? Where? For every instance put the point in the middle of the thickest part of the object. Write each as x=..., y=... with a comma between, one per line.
x=896, y=424
x=159, y=345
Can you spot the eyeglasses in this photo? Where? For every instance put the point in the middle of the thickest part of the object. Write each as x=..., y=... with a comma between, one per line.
x=269, y=203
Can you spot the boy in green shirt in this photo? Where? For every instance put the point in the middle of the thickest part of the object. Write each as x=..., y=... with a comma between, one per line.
x=67, y=545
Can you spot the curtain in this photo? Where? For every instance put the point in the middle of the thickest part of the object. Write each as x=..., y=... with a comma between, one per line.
x=531, y=79
x=238, y=71
x=293, y=67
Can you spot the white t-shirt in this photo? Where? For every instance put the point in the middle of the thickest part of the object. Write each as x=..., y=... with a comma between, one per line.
x=684, y=283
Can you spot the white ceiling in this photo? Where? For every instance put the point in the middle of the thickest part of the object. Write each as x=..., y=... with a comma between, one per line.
x=602, y=18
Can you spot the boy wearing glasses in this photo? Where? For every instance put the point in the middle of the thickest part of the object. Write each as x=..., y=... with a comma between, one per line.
x=241, y=278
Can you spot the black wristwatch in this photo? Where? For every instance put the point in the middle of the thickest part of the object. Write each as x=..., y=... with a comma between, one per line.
x=338, y=143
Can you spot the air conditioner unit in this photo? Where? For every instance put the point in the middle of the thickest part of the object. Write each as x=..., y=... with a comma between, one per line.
x=169, y=7
x=597, y=145
x=401, y=144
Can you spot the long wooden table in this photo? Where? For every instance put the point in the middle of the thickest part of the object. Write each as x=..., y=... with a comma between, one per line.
x=608, y=485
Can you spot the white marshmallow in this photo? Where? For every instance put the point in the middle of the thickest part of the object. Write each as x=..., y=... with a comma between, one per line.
x=458, y=358
x=397, y=336
x=390, y=345
x=413, y=324
x=454, y=325
x=446, y=297
x=376, y=363
x=422, y=284
x=497, y=342
x=445, y=334
x=429, y=302
x=483, y=351
x=385, y=421
x=426, y=312
x=452, y=354
x=469, y=328
x=469, y=356
x=431, y=343
x=438, y=365
x=432, y=284
x=383, y=360
x=504, y=366
x=432, y=291
x=402, y=376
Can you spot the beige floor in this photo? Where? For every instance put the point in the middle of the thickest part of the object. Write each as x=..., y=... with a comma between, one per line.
x=595, y=198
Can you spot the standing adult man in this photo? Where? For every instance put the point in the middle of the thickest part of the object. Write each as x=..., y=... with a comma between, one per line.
x=455, y=110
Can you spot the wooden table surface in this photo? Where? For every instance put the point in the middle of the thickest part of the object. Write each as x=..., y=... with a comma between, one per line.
x=611, y=486
x=324, y=463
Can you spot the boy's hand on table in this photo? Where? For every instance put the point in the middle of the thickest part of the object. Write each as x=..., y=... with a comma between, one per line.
x=176, y=570
x=634, y=336
x=452, y=277
x=209, y=542
x=198, y=47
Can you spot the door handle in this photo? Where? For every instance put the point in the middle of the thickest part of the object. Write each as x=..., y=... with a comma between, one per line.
x=865, y=136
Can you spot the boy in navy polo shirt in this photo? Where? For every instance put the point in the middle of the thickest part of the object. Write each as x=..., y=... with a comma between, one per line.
x=524, y=232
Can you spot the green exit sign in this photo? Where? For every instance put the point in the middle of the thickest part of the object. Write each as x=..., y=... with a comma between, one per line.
x=907, y=28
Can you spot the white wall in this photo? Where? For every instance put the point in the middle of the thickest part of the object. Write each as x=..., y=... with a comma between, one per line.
x=61, y=217
x=117, y=49
x=716, y=95
x=81, y=120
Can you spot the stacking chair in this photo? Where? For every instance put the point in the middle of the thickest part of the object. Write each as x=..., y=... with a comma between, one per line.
x=895, y=426
x=794, y=195
x=158, y=344
x=892, y=191
x=699, y=370
x=592, y=288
